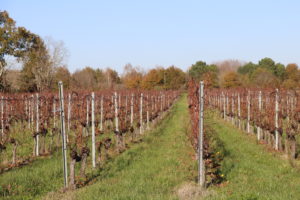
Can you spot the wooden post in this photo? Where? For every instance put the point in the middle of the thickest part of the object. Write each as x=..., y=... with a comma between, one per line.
x=37, y=153
x=248, y=113
x=161, y=107
x=26, y=110
x=69, y=111
x=87, y=114
x=116, y=113
x=126, y=107
x=259, y=108
x=93, y=132
x=141, y=114
x=224, y=106
x=63, y=131
x=227, y=107
x=32, y=111
x=239, y=111
x=131, y=110
x=147, y=107
x=276, y=121
x=54, y=113
x=201, y=172
x=101, y=114
x=29, y=112
x=232, y=109
x=2, y=117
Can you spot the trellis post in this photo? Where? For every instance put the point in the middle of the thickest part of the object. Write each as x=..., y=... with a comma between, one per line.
x=239, y=110
x=63, y=131
x=276, y=121
x=101, y=114
x=37, y=153
x=2, y=116
x=259, y=108
x=147, y=106
x=141, y=114
x=201, y=172
x=93, y=132
x=69, y=111
x=248, y=113
x=116, y=113
x=224, y=106
x=131, y=110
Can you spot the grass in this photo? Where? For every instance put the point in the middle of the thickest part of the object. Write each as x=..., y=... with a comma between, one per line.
x=152, y=169
x=30, y=181
x=251, y=171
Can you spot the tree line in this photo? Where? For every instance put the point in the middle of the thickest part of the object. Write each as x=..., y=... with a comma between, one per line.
x=230, y=74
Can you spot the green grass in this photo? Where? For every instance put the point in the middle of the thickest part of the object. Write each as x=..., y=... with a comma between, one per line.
x=251, y=171
x=30, y=181
x=150, y=170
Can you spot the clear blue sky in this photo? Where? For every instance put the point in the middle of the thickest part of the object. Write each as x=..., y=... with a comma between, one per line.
x=112, y=33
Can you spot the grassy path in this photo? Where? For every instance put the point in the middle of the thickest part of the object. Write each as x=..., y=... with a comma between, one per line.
x=150, y=170
x=251, y=171
x=30, y=181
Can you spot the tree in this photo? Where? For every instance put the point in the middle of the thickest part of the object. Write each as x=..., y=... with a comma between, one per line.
x=228, y=66
x=62, y=74
x=277, y=69
x=15, y=41
x=292, y=77
x=231, y=79
x=174, y=78
x=84, y=78
x=8, y=34
x=248, y=68
x=154, y=79
x=264, y=78
x=132, y=77
x=292, y=72
x=199, y=68
x=112, y=78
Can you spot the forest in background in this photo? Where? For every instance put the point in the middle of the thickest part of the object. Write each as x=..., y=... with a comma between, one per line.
x=42, y=63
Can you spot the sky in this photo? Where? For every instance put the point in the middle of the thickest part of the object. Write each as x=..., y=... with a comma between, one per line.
x=112, y=33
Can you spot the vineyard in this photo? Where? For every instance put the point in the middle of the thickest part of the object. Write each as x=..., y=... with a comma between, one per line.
x=96, y=123
x=99, y=134
x=271, y=114
x=149, y=100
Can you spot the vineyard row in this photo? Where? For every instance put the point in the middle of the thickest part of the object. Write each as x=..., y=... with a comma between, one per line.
x=96, y=122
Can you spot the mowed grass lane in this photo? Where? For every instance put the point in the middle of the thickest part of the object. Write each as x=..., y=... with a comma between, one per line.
x=253, y=172
x=152, y=169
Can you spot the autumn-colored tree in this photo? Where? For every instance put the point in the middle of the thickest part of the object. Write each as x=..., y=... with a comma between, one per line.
x=112, y=78
x=248, y=68
x=292, y=77
x=210, y=79
x=36, y=74
x=132, y=77
x=277, y=69
x=10, y=80
x=264, y=78
x=20, y=43
x=231, y=79
x=201, y=71
x=199, y=68
x=62, y=74
x=84, y=78
x=174, y=78
x=154, y=79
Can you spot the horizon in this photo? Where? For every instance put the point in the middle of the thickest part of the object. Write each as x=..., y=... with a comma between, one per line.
x=110, y=34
